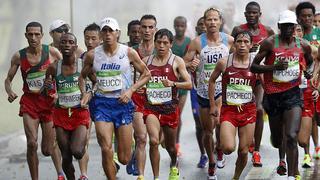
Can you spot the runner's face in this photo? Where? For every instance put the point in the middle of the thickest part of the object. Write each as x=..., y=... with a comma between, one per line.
x=200, y=28
x=109, y=36
x=212, y=21
x=91, y=39
x=252, y=14
x=148, y=29
x=298, y=31
x=306, y=17
x=180, y=27
x=134, y=34
x=68, y=45
x=316, y=20
x=163, y=45
x=57, y=33
x=242, y=44
x=34, y=36
x=286, y=30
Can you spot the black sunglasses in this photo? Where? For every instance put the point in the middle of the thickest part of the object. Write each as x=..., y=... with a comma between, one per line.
x=61, y=30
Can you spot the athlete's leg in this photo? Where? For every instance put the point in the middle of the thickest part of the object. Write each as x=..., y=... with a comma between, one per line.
x=140, y=134
x=245, y=135
x=154, y=130
x=83, y=162
x=208, y=125
x=63, y=138
x=104, y=131
x=220, y=155
x=124, y=139
x=315, y=138
x=47, y=138
x=181, y=104
x=31, y=130
x=259, y=122
x=304, y=133
x=56, y=156
x=170, y=136
x=227, y=137
x=78, y=141
x=292, y=119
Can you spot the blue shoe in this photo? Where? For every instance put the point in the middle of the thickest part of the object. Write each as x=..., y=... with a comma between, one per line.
x=129, y=167
x=203, y=161
x=135, y=167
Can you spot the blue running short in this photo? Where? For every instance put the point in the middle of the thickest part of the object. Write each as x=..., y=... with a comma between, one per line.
x=111, y=110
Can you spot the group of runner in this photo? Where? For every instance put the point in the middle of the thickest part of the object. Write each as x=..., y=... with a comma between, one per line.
x=138, y=90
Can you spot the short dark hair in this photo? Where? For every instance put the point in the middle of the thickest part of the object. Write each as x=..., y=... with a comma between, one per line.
x=305, y=5
x=132, y=23
x=212, y=9
x=92, y=27
x=71, y=34
x=180, y=17
x=149, y=16
x=164, y=32
x=34, y=24
x=244, y=32
x=253, y=3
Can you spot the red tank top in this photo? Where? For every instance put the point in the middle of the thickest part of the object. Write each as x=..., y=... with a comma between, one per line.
x=238, y=84
x=33, y=76
x=160, y=98
x=257, y=39
x=280, y=81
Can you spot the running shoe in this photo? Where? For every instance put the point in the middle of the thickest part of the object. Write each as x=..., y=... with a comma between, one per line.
x=141, y=177
x=256, y=159
x=203, y=161
x=174, y=173
x=83, y=177
x=221, y=161
x=251, y=148
x=178, y=150
x=298, y=177
x=135, y=167
x=282, y=168
x=117, y=166
x=306, y=161
x=212, y=173
x=129, y=166
x=61, y=177
x=316, y=154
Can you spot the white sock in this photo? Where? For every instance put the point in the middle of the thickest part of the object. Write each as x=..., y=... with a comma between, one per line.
x=291, y=178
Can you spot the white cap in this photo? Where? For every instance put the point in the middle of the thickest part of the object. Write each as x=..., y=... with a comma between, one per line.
x=287, y=16
x=56, y=24
x=110, y=22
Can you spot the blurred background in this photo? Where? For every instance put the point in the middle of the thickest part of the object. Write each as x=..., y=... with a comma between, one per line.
x=15, y=14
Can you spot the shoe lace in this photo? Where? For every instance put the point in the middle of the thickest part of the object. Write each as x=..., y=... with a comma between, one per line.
x=256, y=157
x=211, y=171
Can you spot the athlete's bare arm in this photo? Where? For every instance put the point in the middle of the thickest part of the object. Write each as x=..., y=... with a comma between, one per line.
x=180, y=71
x=87, y=71
x=269, y=30
x=145, y=75
x=190, y=57
x=219, y=69
x=307, y=52
x=235, y=30
x=265, y=50
x=55, y=54
x=15, y=63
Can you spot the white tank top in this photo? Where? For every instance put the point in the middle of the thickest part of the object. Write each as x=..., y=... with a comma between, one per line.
x=113, y=72
x=209, y=56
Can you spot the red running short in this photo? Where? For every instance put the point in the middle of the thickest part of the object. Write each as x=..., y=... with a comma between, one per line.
x=171, y=120
x=78, y=116
x=308, y=104
x=238, y=115
x=37, y=106
x=139, y=100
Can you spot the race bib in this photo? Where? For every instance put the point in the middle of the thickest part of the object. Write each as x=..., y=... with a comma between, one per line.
x=238, y=94
x=288, y=75
x=35, y=81
x=157, y=93
x=109, y=81
x=208, y=69
x=69, y=96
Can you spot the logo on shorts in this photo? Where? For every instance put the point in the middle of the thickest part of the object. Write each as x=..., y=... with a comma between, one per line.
x=248, y=119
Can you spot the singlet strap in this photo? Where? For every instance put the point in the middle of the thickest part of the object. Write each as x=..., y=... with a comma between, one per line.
x=229, y=60
x=171, y=59
x=149, y=61
x=79, y=65
x=276, y=41
x=224, y=38
x=44, y=57
x=298, y=42
x=59, y=66
x=203, y=40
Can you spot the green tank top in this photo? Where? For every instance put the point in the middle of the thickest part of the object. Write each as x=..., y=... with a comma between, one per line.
x=69, y=94
x=313, y=37
x=180, y=50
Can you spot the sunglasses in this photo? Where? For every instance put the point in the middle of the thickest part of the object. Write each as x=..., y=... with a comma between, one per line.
x=61, y=30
